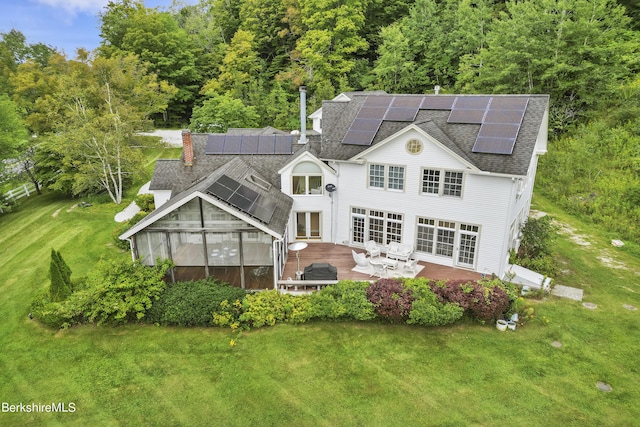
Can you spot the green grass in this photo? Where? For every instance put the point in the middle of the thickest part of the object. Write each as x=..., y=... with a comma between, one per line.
x=317, y=374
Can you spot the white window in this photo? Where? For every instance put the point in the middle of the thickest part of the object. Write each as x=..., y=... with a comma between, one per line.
x=379, y=226
x=443, y=183
x=387, y=177
x=308, y=225
x=438, y=237
x=306, y=179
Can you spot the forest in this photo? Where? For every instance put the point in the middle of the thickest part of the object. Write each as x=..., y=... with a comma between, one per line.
x=222, y=63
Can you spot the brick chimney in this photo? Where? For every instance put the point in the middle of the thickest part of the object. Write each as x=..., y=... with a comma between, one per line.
x=187, y=148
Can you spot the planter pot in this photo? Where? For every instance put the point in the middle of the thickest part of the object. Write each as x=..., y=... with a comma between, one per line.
x=501, y=325
x=511, y=325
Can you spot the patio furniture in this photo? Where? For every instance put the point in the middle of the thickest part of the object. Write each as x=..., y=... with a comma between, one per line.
x=379, y=269
x=410, y=266
x=372, y=248
x=399, y=251
x=320, y=271
x=360, y=259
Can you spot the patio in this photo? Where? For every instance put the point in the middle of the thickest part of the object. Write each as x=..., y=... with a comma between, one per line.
x=340, y=257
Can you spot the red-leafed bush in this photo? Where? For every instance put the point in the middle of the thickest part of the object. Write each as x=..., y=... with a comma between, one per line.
x=390, y=299
x=483, y=300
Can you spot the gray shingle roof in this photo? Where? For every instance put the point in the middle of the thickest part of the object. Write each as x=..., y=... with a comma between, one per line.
x=337, y=117
x=236, y=169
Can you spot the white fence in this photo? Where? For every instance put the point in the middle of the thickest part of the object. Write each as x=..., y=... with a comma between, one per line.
x=24, y=190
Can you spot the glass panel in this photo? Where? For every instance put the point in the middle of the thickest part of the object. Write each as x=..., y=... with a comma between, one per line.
x=306, y=168
x=223, y=249
x=430, y=181
x=396, y=178
x=230, y=275
x=314, y=224
x=186, y=216
x=256, y=248
x=187, y=248
x=394, y=228
x=219, y=219
x=358, y=228
x=315, y=184
x=258, y=277
x=151, y=245
x=376, y=227
x=424, y=239
x=299, y=185
x=445, y=242
x=452, y=184
x=301, y=225
x=467, y=249
x=376, y=176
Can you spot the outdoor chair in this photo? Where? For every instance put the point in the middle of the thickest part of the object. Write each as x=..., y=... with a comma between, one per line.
x=372, y=248
x=379, y=269
x=410, y=266
x=360, y=259
x=399, y=251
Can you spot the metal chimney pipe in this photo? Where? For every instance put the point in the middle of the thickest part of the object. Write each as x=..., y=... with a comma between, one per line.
x=303, y=115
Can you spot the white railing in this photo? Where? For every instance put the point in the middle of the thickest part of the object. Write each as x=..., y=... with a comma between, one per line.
x=24, y=190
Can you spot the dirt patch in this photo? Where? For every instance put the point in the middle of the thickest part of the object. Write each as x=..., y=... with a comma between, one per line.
x=571, y=232
x=72, y=208
x=55, y=214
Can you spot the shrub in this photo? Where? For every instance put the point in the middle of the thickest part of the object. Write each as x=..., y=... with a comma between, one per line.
x=271, y=306
x=344, y=300
x=60, y=276
x=192, y=303
x=427, y=309
x=390, y=299
x=145, y=202
x=124, y=226
x=484, y=300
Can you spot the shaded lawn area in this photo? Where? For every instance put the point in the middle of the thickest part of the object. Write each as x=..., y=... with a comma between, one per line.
x=316, y=374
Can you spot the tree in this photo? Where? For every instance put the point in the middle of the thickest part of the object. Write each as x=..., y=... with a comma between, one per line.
x=221, y=112
x=154, y=36
x=60, y=275
x=331, y=39
x=13, y=133
x=98, y=107
x=395, y=66
x=575, y=50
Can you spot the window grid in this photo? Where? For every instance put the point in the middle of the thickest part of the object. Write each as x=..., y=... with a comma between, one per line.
x=452, y=185
x=358, y=223
x=376, y=176
x=431, y=181
x=394, y=227
x=396, y=178
x=380, y=226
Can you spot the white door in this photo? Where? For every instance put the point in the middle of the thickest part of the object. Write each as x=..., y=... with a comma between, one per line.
x=467, y=245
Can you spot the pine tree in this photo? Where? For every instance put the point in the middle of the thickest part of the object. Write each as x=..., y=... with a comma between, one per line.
x=60, y=275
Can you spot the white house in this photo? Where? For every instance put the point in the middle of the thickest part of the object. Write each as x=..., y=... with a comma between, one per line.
x=449, y=175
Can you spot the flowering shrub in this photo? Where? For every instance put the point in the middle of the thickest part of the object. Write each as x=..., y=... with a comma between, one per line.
x=427, y=309
x=390, y=299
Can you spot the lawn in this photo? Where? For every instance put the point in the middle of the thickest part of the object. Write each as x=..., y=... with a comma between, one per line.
x=323, y=374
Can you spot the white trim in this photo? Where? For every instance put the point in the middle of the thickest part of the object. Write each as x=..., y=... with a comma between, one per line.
x=306, y=157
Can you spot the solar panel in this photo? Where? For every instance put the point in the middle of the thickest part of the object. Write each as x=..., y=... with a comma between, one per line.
x=492, y=145
x=359, y=137
x=242, y=197
x=378, y=101
x=401, y=114
x=368, y=125
x=509, y=102
x=406, y=102
x=215, y=144
x=283, y=144
x=502, y=130
x=249, y=144
x=263, y=209
x=437, y=102
x=371, y=113
x=471, y=102
x=466, y=116
x=266, y=144
x=504, y=116
x=232, y=144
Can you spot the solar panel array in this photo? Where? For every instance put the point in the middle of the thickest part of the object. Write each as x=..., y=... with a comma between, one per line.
x=249, y=144
x=242, y=197
x=500, y=117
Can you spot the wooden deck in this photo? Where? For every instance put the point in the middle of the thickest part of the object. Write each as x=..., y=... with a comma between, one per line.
x=340, y=257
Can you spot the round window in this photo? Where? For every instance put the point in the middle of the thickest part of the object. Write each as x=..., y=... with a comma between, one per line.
x=414, y=146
